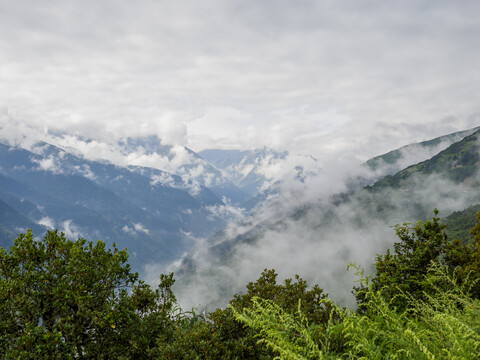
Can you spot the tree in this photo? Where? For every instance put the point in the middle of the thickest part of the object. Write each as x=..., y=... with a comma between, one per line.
x=63, y=299
x=221, y=336
x=420, y=247
x=404, y=271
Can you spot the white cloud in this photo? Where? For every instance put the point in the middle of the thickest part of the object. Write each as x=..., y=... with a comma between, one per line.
x=47, y=222
x=86, y=172
x=225, y=212
x=136, y=228
x=162, y=179
x=316, y=77
x=172, y=131
x=342, y=81
x=70, y=230
x=49, y=163
x=140, y=228
x=319, y=241
x=128, y=230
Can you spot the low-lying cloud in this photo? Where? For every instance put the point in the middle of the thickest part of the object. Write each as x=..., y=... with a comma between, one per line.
x=309, y=232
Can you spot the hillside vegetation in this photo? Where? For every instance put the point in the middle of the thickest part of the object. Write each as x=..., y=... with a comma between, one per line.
x=395, y=157
x=458, y=162
x=67, y=299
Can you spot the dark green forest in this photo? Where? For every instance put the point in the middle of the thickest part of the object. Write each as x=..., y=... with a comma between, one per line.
x=64, y=299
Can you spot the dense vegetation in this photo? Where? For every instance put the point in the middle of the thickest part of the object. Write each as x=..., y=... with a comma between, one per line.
x=63, y=299
x=459, y=223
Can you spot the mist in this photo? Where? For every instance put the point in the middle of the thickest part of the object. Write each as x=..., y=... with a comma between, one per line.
x=314, y=228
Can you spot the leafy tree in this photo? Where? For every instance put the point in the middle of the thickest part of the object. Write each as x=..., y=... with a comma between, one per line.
x=409, y=310
x=404, y=271
x=63, y=299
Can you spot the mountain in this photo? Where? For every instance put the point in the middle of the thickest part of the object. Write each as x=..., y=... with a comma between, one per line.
x=447, y=181
x=410, y=154
x=13, y=222
x=458, y=163
x=244, y=168
x=151, y=212
x=169, y=199
x=459, y=223
x=193, y=168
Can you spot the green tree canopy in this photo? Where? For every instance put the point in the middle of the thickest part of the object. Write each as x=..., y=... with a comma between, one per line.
x=63, y=299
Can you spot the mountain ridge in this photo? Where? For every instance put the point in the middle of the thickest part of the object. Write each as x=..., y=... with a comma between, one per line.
x=102, y=200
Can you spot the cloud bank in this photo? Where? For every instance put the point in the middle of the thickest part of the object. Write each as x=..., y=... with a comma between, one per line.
x=313, y=77
x=314, y=232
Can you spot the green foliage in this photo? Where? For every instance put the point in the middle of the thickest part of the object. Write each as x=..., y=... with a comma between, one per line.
x=423, y=303
x=459, y=162
x=222, y=336
x=287, y=295
x=404, y=271
x=445, y=325
x=460, y=223
x=464, y=260
x=73, y=300
x=289, y=335
x=217, y=337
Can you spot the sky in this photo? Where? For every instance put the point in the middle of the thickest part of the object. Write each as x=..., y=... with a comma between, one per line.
x=357, y=78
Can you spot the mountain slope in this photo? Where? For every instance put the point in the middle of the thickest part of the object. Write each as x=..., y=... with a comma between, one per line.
x=144, y=209
x=13, y=222
x=459, y=223
x=459, y=163
x=398, y=159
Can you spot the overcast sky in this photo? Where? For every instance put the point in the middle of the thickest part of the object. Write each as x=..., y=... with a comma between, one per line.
x=359, y=77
